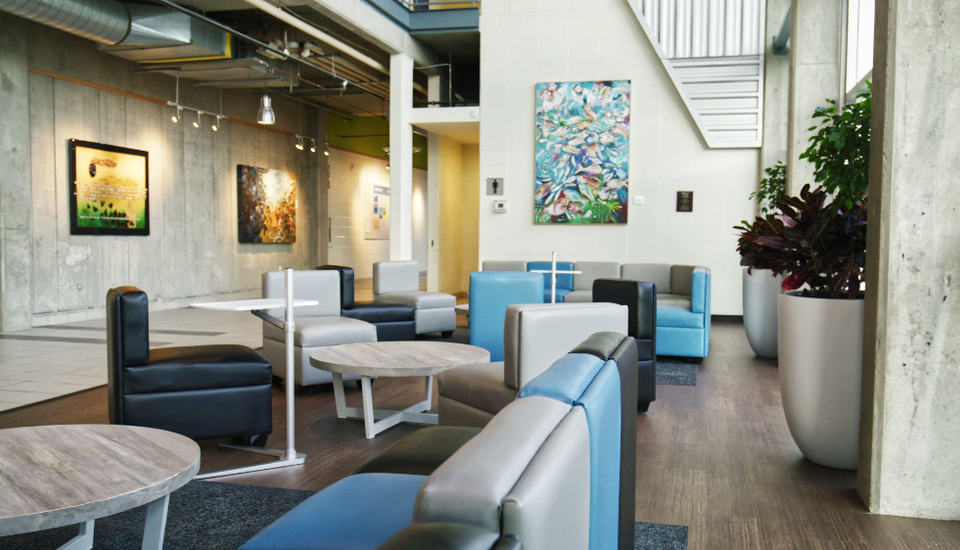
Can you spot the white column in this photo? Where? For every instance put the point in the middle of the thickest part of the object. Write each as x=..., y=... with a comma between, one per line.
x=776, y=89
x=433, y=212
x=815, y=29
x=401, y=157
x=910, y=405
x=433, y=90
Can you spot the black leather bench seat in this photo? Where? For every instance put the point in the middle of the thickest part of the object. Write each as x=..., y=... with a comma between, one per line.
x=197, y=368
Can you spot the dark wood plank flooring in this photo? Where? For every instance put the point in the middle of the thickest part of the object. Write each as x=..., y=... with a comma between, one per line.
x=716, y=457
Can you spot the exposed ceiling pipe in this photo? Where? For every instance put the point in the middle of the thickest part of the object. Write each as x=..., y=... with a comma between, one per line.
x=258, y=43
x=313, y=31
x=103, y=21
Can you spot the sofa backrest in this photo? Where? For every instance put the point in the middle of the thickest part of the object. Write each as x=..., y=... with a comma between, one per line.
x=322, y=286
x=526, y=474
x=564, y=280
x=128, y=341
x=491, y=292
x=536, y=335
x=389, y=277
x=504, y=265
x=346, y=283
x=593, y=270
x=658, y=274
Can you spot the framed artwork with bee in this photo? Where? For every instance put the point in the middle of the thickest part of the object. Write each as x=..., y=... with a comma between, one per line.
x=108, y=190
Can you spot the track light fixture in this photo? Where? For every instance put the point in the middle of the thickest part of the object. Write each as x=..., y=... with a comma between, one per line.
x=216, y=126
x=176, y=118
x=313, y=146
x=196, y=124
x=299, y=144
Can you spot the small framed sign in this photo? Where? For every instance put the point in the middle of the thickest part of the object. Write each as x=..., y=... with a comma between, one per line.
x=684, y=201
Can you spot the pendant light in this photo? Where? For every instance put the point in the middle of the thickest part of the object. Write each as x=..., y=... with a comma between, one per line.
x=265, y=114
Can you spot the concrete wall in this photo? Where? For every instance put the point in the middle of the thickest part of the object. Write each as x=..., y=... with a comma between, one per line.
x=910, y=429
x=351, y=174
x=526, y=42
x=776, y=91
x=192, y=251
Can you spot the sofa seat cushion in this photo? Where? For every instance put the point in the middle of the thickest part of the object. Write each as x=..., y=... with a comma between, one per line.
x=324, y=331
x=561, y=292
x=359, y=512
x=674, y=300
x=421, y=452
x=578, y=296
x=194, y=368
x=679, y=317
x=419, y=300
x=479, y=385
x=381, y=313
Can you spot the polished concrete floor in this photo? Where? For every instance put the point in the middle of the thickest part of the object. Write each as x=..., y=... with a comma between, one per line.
x=716, y=457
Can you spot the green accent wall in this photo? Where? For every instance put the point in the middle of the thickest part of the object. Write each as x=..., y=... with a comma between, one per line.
x=377, y=136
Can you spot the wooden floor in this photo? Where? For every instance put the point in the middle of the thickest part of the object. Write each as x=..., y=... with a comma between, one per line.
x=716, y=457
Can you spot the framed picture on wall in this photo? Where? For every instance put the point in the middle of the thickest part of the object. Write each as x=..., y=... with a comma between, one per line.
x=267, y=204
x=109, y=190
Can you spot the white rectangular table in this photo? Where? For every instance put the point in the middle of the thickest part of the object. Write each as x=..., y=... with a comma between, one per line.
x=290, y=457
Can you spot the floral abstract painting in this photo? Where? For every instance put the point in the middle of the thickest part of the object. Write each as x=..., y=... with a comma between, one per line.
x=582, y=152
x=267, y=200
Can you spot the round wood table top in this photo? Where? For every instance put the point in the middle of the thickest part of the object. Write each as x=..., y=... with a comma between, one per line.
x=52, y=476
x=412, y=358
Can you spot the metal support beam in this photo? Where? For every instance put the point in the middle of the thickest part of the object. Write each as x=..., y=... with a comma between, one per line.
x=781, y=41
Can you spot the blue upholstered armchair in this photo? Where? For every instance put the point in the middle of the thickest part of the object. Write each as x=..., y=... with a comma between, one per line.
x=684, y=330
x=491, y=292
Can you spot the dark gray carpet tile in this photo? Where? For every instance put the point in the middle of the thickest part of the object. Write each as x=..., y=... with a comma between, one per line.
x=658, y=536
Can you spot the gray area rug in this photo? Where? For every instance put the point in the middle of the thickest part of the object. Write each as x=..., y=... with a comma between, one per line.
x=658, y=536
x=207, y=515
x=676, y=373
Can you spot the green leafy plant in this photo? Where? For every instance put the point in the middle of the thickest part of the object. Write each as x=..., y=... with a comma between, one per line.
x=772, y=188
x=819, y=245
x=840, y=149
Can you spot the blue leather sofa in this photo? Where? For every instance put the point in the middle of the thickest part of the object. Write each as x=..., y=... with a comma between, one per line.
x=683, y=298
x=554, y=469
x=491, y=292
x=564, y=281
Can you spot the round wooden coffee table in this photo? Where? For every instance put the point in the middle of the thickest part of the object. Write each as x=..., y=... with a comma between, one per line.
x=391, y=359
x=54, y=476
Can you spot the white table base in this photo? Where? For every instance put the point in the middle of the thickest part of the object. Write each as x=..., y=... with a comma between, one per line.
x=153, y=529
x=378, y=420
x=281, y=462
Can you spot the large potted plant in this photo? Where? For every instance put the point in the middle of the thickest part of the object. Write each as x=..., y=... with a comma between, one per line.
x=761, y=285
x=818, y=240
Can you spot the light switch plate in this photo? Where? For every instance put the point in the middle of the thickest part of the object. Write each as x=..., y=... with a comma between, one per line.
x=638, y=199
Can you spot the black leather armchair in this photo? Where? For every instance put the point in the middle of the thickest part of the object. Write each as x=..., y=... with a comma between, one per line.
x=641, y=299
x=202, y=392
x=393, y=321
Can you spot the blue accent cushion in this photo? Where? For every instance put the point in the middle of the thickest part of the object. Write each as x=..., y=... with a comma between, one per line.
x=677, y=316
x=490, y=294
x=566, y=379
x=601, y=403
x=564, y=281
x=356, y=513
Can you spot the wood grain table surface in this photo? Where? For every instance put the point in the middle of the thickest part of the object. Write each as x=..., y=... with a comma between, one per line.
x=52, y=476
x=396, y=358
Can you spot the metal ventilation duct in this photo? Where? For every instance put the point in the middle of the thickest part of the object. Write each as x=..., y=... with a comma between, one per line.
x=104, y=21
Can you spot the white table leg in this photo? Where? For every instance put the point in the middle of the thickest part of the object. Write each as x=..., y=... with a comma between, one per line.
x=368, y=417
x=83, y=541
x=338, y=395
x=428, y=394
x=156, y=524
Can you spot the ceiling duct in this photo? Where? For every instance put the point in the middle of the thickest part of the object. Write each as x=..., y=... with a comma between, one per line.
x=137, y=32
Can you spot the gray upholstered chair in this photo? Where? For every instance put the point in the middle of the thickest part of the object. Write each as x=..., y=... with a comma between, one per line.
x=504, y=265
x=316, y=326
x=589, y=272
x=535, y=335
x=399, y=283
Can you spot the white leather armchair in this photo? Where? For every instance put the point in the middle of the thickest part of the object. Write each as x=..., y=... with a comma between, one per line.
x=399, y=283
x=535, y=336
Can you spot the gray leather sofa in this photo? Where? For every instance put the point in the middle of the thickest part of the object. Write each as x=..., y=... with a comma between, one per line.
x=399, y=283
x=316, y=326
x=535, y=335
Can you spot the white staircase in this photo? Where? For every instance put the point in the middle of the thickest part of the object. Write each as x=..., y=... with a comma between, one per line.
x=713, y=52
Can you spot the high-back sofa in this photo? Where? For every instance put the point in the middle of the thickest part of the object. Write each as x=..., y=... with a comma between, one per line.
x=555, y=469
x=683, y=298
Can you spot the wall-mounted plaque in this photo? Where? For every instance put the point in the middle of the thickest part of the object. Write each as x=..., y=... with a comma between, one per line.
x=684, y=201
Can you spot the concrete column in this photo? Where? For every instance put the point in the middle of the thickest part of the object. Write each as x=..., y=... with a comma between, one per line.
x=401, y=157
x=433, y=90
x=16, y=252
x=433, y=212
x=776, y=90
x=910, y=421
x=815, y=68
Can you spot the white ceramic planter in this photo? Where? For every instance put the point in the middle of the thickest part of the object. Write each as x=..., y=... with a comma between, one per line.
x=760, y=305
x=821, y=347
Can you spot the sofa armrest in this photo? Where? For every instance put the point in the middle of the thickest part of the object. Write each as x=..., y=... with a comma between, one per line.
x=700, y=290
